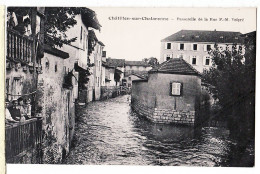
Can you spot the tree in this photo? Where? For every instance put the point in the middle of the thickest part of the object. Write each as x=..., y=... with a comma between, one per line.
x=59, y=20
x=152, y=61
x=232, y=82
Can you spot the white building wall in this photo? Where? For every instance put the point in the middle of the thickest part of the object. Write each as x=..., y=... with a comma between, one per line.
x=188, y=53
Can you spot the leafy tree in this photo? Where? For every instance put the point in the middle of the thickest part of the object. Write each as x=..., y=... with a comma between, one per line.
x=58, y=21
x=151, y=61
x=232, y=83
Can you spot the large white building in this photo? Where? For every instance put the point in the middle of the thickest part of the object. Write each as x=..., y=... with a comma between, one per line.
x=194, y=46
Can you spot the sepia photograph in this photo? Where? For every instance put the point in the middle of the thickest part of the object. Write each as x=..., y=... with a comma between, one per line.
x=130, y=86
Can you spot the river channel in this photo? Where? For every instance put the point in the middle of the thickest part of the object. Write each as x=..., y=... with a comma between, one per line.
x=109, y=132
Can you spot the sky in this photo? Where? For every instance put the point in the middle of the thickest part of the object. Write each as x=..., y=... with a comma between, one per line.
x=138, y=39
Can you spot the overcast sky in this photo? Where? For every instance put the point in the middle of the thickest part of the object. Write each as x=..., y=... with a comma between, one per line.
x=135, y=40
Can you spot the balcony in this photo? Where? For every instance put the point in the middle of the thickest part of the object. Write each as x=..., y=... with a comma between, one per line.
x=22, y=137
x=19, y=47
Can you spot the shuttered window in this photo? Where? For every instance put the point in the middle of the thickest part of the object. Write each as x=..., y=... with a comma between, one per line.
x=176, y=88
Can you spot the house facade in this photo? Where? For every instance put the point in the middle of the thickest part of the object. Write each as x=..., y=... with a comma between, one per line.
x=136, y=66
x=194, y=46
x=170, y=94
x=52, y=79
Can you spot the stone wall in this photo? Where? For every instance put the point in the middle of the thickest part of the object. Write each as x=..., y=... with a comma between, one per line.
x=57, y=107
x=152, y=98
x=166, y=116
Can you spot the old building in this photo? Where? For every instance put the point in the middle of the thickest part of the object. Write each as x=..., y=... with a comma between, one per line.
x=23, y=65
x=127, y=81
x=136, y=66
x=96, y=76
x=171, y=94
x=52, y=79
x=194, y=46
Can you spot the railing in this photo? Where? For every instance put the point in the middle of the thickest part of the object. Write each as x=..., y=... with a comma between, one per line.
x=19, y=47
x=20, y=137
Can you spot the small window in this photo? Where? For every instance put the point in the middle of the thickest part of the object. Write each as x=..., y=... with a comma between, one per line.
x=168, y=45
x=56, y=68
x=81, y=33
x=208, y=47
x=176, y=88
x=221, y=37
x=168, y=57
x=197, y=36
x=181, y=46
x=207, y=60
x=194, y=60
x=195, y=46
x=129, y=78
x=183, y=36
x=236, y=37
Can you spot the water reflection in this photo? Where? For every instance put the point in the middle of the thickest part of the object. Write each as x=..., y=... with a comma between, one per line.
x=109, y=132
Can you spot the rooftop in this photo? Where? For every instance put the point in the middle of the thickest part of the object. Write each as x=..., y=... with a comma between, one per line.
x=115, y=62
x=205, y=36
x=175, y=66
x=136, y=63
x=141, y=74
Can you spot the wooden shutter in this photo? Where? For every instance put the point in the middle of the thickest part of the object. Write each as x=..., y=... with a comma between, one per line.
x=179, y=45
x=204, y=59
x=165, y=45
x=205, y=47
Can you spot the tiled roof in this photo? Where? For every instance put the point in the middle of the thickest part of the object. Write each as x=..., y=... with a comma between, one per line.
x=205, y=36
x=141, y=74
x=115, y=62
x=136, y=63
x=175, y=66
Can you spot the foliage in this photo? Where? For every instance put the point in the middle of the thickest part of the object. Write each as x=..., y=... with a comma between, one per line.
x=231, y=80
x=58, y=21
x=92, y=41
x=151, y=61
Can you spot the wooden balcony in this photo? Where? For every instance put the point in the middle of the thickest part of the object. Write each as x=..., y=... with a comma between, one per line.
x=22, y=137
x=19, y=47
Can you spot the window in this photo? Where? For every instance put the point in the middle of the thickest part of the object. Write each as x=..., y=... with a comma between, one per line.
x=168, y=56
x=208, y=47
x=129, y=78
x=176, y=88
x=168, y=46
x=56, y=67
x=81, y=34
x=195, y=47
x=181, y=46
x=207, y=60
x=194, y=60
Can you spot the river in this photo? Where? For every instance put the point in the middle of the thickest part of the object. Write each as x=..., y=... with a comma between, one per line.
x=109, y=132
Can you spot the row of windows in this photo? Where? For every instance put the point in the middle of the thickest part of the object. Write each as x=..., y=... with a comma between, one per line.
x=194, y=47
x=193, y=59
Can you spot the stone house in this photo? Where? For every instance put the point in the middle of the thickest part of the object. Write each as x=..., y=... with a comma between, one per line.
x=96, y=76
x=170, y=94
x=51, y=82
x=134, y=76
x=194, y=46
x=135, y=67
